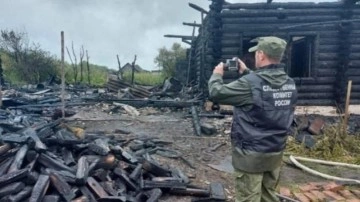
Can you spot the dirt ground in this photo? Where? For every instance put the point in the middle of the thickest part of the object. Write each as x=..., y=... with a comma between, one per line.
x=174, y=127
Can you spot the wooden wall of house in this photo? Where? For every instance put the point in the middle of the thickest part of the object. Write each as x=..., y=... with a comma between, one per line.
x=336, y=46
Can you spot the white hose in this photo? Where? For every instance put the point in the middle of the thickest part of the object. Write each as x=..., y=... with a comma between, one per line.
x=317, y=173
x=331, y=163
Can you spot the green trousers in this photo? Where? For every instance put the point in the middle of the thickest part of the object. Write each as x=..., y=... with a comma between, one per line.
x=256, y=187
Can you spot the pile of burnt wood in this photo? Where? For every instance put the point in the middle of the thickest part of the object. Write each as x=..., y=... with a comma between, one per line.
x=48, y=162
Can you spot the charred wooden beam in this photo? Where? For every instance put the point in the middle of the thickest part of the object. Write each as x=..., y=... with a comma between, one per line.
x=4, y=148
x=191, y=192
x=288, y=5
x=39, y=145
x=14, y=138
x=11, y=189
x=196, y=121
x=62, y=187
x=51, y=198
x=32, y=178
x=106, y=162
x=136, y=172
x=122, y=175
x=147, y=184
x=109, y=188
x=19, y=158
x=178, y=36
x=154, y=195
x=186, y=41
x=68, y=177
x=68, y=157
x=87, y=193
x=198, y=8
x=127, y=156
x=49, y=162
x=13, y=177
x=192, y=24
x=21, y=196
x=113, y=199
x=156, y=169
x=96, y=187
x=40, y=189
x=100, y=146
x=5, y=164
x=82, y=171
x=81, y=199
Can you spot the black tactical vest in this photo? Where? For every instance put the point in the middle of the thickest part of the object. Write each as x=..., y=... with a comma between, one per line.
x=264, y=128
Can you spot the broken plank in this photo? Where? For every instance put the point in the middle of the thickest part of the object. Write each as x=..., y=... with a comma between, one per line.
x=18, y=160
x=21, y=196
x=13, y=177
x=147, y=184
x=191, y=192
x=40, y=189
x=11, y=189
x=82, y=170
x=96, y=187
x=62, y=187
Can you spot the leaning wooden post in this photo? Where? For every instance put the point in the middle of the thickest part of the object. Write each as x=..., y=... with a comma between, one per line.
x=133, y=71
x=1, y=81
x=62, y=76
x=346, y=118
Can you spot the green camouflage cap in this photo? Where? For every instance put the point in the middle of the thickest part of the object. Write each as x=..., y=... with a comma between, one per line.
x=272, y=46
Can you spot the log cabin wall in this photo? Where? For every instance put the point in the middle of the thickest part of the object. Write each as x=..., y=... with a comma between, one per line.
x=323, y=44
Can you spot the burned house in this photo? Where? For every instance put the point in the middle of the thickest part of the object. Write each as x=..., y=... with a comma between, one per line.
x=323, y=51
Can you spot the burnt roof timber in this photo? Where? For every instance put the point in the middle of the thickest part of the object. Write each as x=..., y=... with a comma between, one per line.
x=186, y=41
x=198, y=8
x=178, y=36
x=294, y=5
x=192, y=24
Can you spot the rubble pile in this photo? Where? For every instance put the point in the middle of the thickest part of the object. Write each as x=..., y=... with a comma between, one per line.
x=48, y=162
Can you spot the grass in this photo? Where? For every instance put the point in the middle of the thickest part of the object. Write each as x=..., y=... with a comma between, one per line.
x=334, y=145
x=145, y=78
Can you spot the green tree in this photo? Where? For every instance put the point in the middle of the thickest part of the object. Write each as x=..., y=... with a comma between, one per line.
x=167, y=59
x=26, y=63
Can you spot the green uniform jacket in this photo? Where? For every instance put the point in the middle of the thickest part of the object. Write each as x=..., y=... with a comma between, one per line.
x=238, y=93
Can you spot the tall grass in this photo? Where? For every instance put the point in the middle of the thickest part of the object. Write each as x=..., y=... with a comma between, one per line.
x=145, y=78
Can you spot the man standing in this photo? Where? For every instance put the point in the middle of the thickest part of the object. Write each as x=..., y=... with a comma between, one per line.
x=264, y=103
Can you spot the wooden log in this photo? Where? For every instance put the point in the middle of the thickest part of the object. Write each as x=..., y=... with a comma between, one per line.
x=62, y=187
x=82, y=171
x=191, y=192
x=276, y=20
x=40, y=189
x=279, y=13
x=19, y=158
x=317, y=102
x=15, y=138
x=51, y=198
x=96, y=187
x=13, y=177
x=21, y=196
x=4, y=148
x=5, y=164
x=39, y=145
x=13, y=188
x=68, y=177
x=49, y=162
x=68, y=157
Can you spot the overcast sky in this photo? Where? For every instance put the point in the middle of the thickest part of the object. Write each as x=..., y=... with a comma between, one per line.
x=104, y=27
